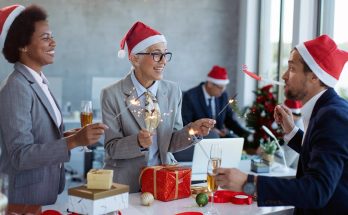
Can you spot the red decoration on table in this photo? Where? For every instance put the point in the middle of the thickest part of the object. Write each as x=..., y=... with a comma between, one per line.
x=166, y=183
x=190, y=213
x=239, y=198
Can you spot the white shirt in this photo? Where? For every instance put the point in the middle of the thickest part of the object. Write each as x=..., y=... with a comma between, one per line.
x=140, y=89
x=207, y=97
x=41, y=80
x=306, y=112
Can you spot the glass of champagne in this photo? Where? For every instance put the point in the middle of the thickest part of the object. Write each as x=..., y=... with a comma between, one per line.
x=86, y=117
x=213, y=163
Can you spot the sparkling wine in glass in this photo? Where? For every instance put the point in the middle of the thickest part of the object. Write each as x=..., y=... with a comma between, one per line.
x=213, y=164
x=86, y=117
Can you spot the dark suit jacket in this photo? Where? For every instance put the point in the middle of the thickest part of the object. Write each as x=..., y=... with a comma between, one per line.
x=32, y=148
x=194, y=107
x=321, y=184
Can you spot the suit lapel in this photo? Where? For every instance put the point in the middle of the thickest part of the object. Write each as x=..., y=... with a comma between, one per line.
x=39, y=92
x=202, y=102
x=163, y=102
x=131, y=94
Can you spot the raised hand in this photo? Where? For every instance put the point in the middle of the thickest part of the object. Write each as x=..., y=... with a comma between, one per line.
x=283, y=116
x=144, y=138
x=87, y=135
x=203, y=126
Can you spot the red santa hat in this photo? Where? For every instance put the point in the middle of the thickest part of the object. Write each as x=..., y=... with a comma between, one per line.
x=324, y=59
x=7, y=16
x=138, y=38
x=218, y=75
x=294, y=105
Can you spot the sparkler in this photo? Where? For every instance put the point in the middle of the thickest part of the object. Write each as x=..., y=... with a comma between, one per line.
x=259, y=78
x=134, y=102
x=230, y=101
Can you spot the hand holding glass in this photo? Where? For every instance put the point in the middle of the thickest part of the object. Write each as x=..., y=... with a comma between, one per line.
x=86, y=117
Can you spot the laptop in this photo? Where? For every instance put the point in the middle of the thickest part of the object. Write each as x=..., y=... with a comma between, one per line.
x=231, y=155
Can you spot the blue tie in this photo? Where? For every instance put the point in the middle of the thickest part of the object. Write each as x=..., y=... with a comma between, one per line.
x=210, y=110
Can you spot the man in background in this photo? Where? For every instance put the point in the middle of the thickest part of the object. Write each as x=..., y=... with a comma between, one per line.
x=208, y=100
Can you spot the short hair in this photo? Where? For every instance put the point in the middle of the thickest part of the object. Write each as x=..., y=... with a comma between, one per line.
x=20, y=32
x=307, y=69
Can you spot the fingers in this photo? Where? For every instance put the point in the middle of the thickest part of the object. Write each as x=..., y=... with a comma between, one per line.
x=144, y=138
x=202, y=126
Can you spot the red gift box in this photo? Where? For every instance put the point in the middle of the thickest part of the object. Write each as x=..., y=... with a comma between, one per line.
x=166, y=183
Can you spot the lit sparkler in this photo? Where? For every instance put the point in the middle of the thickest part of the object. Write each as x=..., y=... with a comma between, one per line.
x=230, y=101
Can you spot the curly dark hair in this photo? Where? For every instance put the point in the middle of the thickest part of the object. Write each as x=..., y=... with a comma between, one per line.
x=20, y=33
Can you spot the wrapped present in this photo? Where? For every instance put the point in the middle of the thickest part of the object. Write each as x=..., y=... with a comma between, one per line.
x=166, y=183
x=99, y=179
x=97, y=201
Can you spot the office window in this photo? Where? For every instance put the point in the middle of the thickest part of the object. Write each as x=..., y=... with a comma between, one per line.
x=276, y=26
x=340, y=35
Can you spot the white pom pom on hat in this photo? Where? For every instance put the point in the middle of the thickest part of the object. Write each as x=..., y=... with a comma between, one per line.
x=138, y=38
x=7, y=16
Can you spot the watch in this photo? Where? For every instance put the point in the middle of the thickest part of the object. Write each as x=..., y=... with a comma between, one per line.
x=249, y=186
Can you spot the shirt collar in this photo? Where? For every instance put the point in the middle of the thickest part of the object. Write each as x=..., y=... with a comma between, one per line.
x=307, y=108
x=39, y=78
x=206, y=94
x=140, y=89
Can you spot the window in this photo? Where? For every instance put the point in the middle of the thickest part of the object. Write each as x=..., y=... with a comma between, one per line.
x=340, y=35
x=276, y=21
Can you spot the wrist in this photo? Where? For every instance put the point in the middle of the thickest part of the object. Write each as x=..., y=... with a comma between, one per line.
x=71, y=142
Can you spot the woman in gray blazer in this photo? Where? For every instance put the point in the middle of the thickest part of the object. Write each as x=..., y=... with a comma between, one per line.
x=33, y=144
x=129, y=146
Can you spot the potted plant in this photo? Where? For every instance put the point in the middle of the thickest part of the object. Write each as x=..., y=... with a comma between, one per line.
x=268, y=148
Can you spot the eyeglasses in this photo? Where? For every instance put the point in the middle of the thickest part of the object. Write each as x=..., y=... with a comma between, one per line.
x=157, y=56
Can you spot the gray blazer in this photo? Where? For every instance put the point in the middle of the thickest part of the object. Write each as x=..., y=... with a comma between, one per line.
x=122, y=152
x=32, y=148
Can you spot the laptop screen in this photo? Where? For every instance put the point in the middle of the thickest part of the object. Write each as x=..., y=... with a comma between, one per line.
x=231, y=155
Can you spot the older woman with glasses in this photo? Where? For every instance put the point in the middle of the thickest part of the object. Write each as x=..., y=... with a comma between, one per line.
x=143, y=111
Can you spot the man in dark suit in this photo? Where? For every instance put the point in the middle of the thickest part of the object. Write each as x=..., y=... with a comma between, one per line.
x=321, y=184
x=207, y=100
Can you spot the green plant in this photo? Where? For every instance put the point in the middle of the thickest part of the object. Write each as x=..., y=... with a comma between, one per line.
x=269, y=147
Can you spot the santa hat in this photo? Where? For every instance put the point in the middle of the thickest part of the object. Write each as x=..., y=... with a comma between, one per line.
x=294, y=105
x=218, y=75
x=7, y=16
x=324, y=59
x=138, y=38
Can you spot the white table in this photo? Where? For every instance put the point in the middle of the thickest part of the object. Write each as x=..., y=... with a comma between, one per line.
x=189, y=204
x=177, y=206
x=277, y=170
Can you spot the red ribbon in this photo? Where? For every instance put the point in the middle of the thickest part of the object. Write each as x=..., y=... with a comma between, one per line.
x=239, y=198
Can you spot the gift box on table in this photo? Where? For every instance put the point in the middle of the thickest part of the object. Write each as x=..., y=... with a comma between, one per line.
x=97, y=201
x=166, y=183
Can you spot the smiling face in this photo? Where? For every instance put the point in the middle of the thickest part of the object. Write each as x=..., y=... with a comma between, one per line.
x=146, y=69
x=40, y=51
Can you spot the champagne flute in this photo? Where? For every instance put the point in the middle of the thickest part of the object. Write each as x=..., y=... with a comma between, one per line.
x=86, y=117
x=213, y=163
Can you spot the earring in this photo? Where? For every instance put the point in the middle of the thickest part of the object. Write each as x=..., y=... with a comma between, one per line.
x=23, y=49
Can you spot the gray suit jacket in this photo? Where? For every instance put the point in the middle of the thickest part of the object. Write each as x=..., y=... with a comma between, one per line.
x=32, y=147
x=122, y=152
